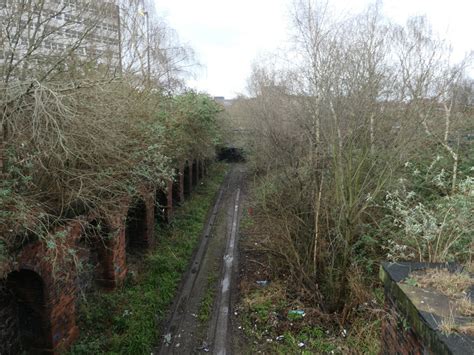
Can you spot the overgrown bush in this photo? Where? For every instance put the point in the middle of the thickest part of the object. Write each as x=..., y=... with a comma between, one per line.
x=94, y=146
x=329, y=139
x=427, y=221
x=82, y=133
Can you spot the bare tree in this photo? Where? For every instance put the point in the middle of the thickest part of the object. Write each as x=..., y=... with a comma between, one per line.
x=152, y=51
x=334, y=130
x=45, y=41
x=66, y=109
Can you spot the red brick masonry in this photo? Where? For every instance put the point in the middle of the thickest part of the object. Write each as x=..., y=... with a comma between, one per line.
x=45, y=275
x=53, y=266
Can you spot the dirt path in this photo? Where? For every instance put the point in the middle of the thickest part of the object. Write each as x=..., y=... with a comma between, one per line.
x=202, y=313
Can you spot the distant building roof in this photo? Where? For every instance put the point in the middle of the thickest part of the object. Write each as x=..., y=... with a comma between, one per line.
x=223, y=101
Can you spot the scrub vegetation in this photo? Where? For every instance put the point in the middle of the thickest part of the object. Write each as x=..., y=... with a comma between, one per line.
x=362, y=151
x=359, y=138
x=80, y=132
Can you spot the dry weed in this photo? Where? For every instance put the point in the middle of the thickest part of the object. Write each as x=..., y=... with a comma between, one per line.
x=451, y=284
x=465, y=307
x=274, y=293
x=467, y=329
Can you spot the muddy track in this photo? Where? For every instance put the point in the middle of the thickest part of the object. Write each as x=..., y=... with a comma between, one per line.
x=201, y=316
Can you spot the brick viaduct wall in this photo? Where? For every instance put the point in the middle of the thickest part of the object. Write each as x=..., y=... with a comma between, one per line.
x=41, y=287
x=39, y=296
x=397, y=335
x=414, y=315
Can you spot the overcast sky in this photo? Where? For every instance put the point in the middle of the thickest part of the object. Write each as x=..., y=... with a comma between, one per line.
x=228, y=35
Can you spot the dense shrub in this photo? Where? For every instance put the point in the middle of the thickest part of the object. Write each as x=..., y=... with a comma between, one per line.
x=329, y=139
x=76, y=151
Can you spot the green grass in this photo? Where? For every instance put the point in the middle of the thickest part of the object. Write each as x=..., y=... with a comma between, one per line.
x=273, y=330
x=127, y=321
x=246, y=221
x=205, y=308
x=314, y=340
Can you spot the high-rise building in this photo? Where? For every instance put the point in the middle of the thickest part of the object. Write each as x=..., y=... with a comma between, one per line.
x=38, y=34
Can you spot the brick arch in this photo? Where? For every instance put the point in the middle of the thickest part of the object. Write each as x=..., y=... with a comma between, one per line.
x=200, y=169
x=54, y=282
x=164, y=203
x=135, y=229
x=188, y=179
x=140, y=221
x=195, y=172
x=178, y=187
x=32, y=317
x=109, y=244
x=94, y=252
